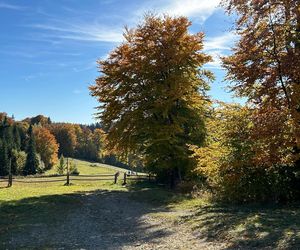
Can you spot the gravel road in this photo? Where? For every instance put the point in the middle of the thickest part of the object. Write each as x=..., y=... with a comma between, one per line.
x=112, y=220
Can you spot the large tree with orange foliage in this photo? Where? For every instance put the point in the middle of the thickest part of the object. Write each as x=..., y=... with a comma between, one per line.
x=265, y=65
x=152, y=94
x=46, y=146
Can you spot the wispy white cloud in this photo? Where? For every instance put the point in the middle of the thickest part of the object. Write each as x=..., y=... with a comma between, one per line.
x=222, y=42
x=191, y=8
x=16, y=53
x=58, y=30
x=93, y=32
x=216, y=57
x=11, y=6
x=218, y=47
x=28, y=53
x=88, y=66
x=76, y=11
x=197, y=9
x=30, y=77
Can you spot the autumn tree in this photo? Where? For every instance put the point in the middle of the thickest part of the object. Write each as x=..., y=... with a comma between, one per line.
x=85, y=146
x=265, y=65
x=152, y=94
x=241, y=165
x=65, y=135
x=99, y=141
x=46, y=146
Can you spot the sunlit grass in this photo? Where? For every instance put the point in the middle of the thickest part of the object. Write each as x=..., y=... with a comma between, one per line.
x=88, y=168
x=25, y=190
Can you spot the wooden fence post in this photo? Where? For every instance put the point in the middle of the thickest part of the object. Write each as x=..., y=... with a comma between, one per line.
x=116, y=177
x=68, y=173
x=10, y=175
x=124, y=182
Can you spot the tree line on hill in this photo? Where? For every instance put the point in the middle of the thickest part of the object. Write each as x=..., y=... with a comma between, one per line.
x=154, y=105
x=34, y=145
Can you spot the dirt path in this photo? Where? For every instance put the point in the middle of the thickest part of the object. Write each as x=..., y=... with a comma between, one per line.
x=112, y=220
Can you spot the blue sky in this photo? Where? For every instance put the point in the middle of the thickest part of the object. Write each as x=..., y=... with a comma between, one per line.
x=49, y=48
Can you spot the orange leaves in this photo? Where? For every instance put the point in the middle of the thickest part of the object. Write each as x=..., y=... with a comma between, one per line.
x=152, y=90
x=265, y=68
x=46, y=146
x=242, y=138
x=65, y=135
x=273, y=136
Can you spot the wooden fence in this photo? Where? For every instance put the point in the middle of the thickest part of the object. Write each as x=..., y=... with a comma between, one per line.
x=67, y=179
x=138, y=177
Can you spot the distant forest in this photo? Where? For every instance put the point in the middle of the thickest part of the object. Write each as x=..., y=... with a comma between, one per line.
x=34, y=145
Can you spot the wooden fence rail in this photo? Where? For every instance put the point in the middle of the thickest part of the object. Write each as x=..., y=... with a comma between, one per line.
x=36, y=181
x=139, y=177
x=67, y=178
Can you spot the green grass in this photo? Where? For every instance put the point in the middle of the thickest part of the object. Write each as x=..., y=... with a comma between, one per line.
x=89, y=168
x=25, y=190
x=21, y=191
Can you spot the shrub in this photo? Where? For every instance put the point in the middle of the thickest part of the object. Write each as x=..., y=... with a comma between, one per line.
x=61, y=166
x=18, y=161
x=73, y=169
x=258, y=184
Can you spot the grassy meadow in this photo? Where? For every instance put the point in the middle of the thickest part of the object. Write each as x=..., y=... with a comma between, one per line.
x=25, y=190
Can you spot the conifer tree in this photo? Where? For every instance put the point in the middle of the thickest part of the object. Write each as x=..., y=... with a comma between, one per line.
x=61, y=165
x=3, y=158
x=6, y=144
x=32, y=162
x=16, y=137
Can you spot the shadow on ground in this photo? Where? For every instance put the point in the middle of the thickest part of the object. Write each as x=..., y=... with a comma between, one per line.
x=118, y=219
x=94, y=220
x=248, y=227
x=154, y=194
